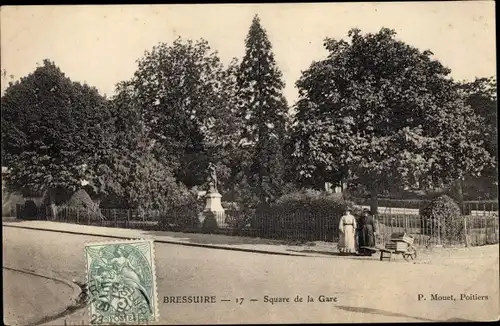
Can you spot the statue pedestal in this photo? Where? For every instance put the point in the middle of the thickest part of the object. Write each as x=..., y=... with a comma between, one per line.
x=214, y=205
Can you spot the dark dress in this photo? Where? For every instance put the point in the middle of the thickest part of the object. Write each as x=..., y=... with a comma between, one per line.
x=360, y=222
x=367, y=229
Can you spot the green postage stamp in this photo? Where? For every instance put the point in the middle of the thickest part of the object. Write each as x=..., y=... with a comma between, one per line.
x=121, y=280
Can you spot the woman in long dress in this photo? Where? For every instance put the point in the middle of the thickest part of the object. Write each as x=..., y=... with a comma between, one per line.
x=367, y=232
x=347, y=228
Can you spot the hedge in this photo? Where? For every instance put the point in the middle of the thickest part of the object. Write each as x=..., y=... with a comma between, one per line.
x=305, y=215
x=181, y=218
x=29, y=211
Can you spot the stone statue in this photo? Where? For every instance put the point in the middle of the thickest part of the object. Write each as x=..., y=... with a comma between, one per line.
x=213, y=177
x=213, y=198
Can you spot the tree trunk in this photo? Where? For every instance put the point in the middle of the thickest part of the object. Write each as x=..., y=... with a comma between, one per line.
x=460, y=195
x=374, y=199
x=53, y=208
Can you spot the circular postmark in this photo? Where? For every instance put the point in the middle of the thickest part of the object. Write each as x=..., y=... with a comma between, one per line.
x=120, y=284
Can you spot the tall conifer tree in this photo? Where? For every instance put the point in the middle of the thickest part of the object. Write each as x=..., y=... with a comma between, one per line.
x=264, y=110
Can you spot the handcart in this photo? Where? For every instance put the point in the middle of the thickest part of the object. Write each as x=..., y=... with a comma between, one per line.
x=400, y=243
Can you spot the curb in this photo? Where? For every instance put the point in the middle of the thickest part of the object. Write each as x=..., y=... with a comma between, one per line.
x=180, y=243
x=72, y=300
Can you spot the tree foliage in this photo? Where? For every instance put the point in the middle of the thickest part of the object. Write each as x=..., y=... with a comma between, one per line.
x=481, y=95
x=133, y=173
x=51, y=129
x=376, y=112
x=381, y=112
x=185, y=96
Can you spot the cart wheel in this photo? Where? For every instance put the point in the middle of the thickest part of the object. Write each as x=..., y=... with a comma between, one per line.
x=410, y=254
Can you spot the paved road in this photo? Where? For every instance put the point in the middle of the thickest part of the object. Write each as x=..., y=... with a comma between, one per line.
x=366, y=290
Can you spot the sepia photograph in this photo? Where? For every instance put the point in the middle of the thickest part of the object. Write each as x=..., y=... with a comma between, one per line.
x=194, y=164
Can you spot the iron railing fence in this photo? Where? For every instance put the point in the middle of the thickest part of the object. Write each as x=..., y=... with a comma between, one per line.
x=463, y=230
x=414, y=207
x=479, y=226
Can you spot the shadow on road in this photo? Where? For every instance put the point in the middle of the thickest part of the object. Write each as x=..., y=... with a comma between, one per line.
x=329, y=253
x=47, y=319
x=395, y=314
x=332, y=253
x=381, y=312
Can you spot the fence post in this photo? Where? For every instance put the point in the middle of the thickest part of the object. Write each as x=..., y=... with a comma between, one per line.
x=439, y=231
x=77, y=216
x=485, y=226
x=466, y=234
x=129, y=217
x=497, y=231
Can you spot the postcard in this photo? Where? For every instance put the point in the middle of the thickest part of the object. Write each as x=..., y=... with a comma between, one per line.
x=249, y=163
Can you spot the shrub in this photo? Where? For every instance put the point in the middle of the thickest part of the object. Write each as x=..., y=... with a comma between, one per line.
x=209, y=223
x=80, y=206
x=237, y=220
x=81, y=199
x=180, y=218
x=184, y=215
x=442, y=216
x=303, y=215
x=29, y=210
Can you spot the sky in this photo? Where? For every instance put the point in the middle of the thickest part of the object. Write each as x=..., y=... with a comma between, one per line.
x=99, y=45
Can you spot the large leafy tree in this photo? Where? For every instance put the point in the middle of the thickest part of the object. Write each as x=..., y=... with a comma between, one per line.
x=186, y=98
x=133, y=173
x=52, y=129
x=264, y=110
x=224, y=137
x=481, y=95
x=380, y=112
